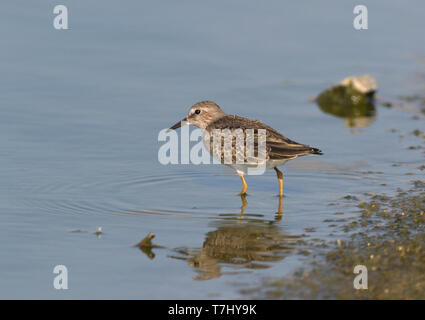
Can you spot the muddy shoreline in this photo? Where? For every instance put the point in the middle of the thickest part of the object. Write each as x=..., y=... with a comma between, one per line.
x=387, y=236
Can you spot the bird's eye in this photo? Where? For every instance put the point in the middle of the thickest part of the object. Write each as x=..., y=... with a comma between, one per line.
x=197, y=111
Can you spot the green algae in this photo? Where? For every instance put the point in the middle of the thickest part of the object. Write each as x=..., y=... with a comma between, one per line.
x=146, y=245
x=344, y=101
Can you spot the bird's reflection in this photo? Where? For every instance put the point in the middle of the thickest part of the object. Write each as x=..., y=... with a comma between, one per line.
x=241, y=242
x=278, y=216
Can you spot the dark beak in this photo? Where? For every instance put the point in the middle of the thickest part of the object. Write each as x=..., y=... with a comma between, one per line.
x=177, y=125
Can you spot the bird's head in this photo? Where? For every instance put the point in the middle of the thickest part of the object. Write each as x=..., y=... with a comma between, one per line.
x=201, y=115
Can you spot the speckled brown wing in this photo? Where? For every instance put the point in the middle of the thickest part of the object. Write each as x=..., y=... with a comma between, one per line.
x=278, y=147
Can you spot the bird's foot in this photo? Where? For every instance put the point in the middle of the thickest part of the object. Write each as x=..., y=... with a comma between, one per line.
x=280, y=195
x=242, y=194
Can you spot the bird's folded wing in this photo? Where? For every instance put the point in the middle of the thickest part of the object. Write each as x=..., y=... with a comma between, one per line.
x=289, y=151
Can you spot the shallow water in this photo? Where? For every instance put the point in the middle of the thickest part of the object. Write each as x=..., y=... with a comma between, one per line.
x=81, y=111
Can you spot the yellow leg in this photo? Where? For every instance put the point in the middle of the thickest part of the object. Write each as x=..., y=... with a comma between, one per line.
x=279, y=210
x=244, y=203
x=280, y=178
x=244, y=185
